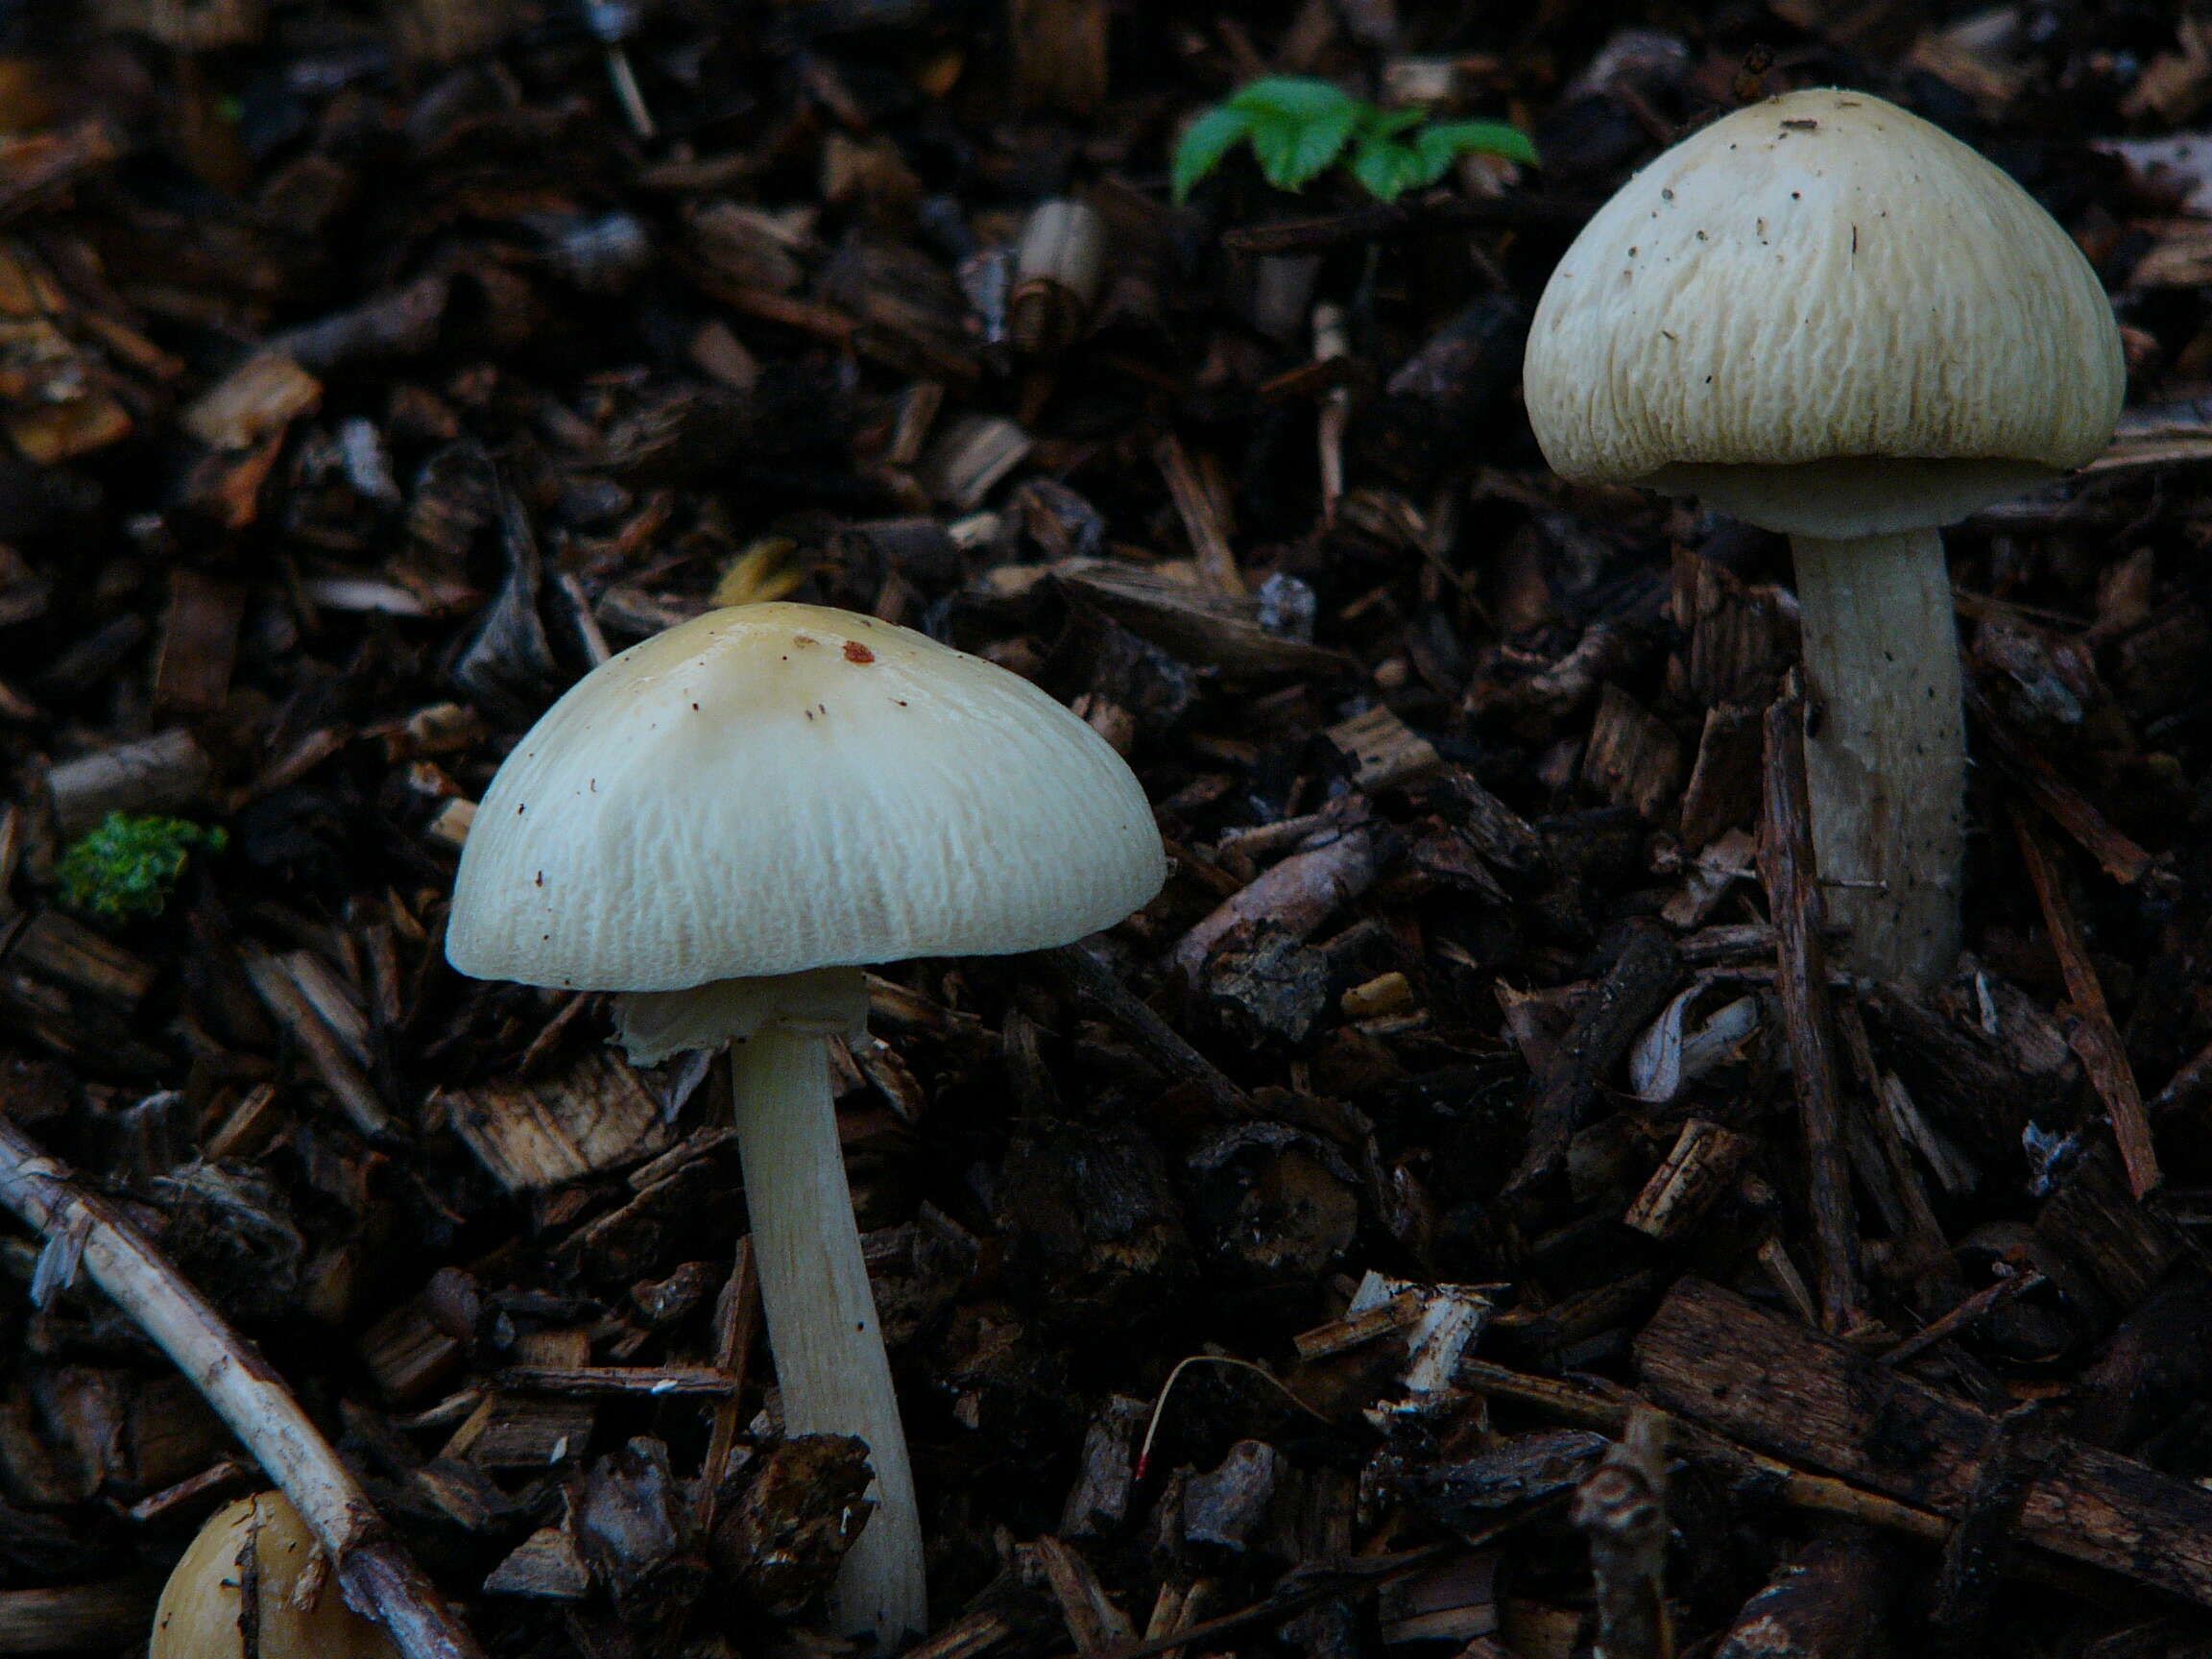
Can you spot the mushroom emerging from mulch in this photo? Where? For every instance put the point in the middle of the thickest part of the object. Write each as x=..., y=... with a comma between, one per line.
x=724, y=824
x=1836, y=321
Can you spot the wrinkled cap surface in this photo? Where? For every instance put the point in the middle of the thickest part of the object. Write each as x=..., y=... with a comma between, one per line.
x=1828, y=316
x=771, y=788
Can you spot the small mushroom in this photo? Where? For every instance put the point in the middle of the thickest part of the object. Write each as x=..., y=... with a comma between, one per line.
x=254, y=1581
x=724, y=824
x=1836, y=321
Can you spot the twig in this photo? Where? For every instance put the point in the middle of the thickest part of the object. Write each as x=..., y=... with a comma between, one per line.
x=2188, y=1086
x=2094, y=1037
x=1817, y=1493
x=1296, y=895
x=2069, y=809
x=1093, y=977
x=379, y=1579
x=2021, y=1449
x=590, y=1382
x=1300, y=1589
x=1923, y=1232
x=1217, y=570
x=1635, y=988
x=1786, y=869
x=1332, y=342
x=1623, y=1507
x=1829, y=1602
x=1159, y=1404
x=736, y=1317
x=1987, y=1300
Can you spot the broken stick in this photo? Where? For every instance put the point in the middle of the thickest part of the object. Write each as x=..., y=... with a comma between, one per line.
x=1786, y=868
x=1716, y=1359
x=376, y=1575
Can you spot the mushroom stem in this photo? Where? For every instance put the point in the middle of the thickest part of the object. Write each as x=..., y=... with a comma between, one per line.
x=1886, y=749
x=822, y=1322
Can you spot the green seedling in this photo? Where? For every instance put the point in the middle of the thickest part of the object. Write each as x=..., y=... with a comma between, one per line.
x=1298, y=128
x=128, y=866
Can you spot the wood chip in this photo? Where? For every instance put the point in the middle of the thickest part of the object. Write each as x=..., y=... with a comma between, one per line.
x=594, y=1113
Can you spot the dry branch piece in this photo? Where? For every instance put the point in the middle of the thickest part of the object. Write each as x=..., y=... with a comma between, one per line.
x=2068, y=807
x=1713, y=1358
x=165, y=773
x=1984, y=1300
x=1295, y=896
x=282, y=983
x=2094, y=1037
x=1217, y=628
x=1832, y=1602
x=1089, y=973
x=2020, y=1449
x=1633, y=990
x=1813, y=1492
x=1787, y=870
x=594, y=1114
x=377, y=1578
x=1201, y=522
x=111, y=1614
x=1697, y=1172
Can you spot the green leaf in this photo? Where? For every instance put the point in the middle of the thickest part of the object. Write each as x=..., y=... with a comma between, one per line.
x=1295, y=98
x=1388, y=168
x=1389, y=122
x=1440, y=143
x=1292, y=151
x=1203, y=144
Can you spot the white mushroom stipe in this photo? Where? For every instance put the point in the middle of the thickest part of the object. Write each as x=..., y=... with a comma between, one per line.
x=1834, y=320
x=822, y=1324
x=723, y=823
x=1885, y=751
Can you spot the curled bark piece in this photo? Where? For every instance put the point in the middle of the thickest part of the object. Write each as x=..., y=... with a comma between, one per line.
x=379, y=1580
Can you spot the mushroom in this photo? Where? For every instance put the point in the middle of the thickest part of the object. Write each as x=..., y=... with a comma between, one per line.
x=723, y=824
x=254, y=1581
x=1834, y=320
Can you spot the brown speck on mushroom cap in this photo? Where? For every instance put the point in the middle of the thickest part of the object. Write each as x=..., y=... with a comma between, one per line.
x=963, y=812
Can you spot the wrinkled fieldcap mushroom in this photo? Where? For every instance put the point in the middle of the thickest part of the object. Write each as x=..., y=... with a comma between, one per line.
x=725, y=822
x=259, y=1546
x=1834, y=320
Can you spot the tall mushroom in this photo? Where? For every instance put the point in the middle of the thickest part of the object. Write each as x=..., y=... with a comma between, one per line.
x=723, y=823
x=1834, y=320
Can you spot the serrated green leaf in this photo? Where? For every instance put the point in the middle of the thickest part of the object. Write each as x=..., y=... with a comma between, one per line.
x=1203, y=144
x=1440, y=143
x=1388, y=168
x=1292, y=152
x=1298, y=98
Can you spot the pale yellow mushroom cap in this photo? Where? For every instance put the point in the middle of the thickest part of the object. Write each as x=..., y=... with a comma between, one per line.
x=303, y=1615
x=1828, y=317
x=771, y=788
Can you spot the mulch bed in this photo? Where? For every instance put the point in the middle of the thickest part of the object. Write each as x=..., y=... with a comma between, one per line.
x=1557, y=1238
